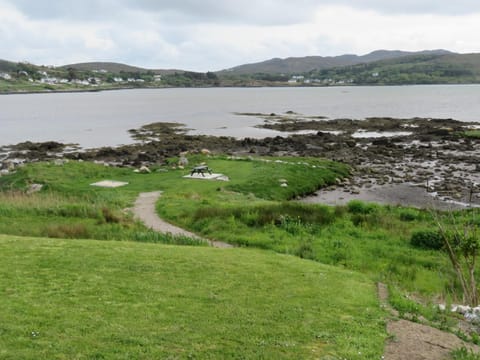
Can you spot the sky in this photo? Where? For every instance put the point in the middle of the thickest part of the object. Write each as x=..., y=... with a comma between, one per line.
x=211, y=35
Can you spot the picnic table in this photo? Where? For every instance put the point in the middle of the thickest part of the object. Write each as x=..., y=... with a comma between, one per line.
x=201, y=169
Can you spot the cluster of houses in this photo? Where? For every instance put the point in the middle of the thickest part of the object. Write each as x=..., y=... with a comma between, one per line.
x=296, y=79
x=45, y=78
x=302, y=80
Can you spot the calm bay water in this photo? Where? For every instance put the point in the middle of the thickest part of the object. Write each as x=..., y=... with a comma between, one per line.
x=103, y=118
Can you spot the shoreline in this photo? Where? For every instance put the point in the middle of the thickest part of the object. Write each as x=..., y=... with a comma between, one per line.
x=405, y=168
x=280, y=86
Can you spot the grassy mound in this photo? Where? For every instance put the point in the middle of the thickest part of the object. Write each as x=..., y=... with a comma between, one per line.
x=86, y=299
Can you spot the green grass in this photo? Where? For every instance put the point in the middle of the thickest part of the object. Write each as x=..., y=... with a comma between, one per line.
x=87, y=299
x=472, y=134
x=251, y=210
x=464, y=354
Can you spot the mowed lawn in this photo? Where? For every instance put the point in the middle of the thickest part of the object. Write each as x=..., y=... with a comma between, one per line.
x=87, y=299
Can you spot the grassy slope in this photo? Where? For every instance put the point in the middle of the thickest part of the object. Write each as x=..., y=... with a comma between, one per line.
x=249, y=211
x=91, y=299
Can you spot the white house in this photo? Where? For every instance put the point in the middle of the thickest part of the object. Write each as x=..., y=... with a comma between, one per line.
x=5, y=76
x=48, y=80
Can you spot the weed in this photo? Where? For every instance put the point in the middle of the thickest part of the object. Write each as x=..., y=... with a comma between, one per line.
x=305, y=250
x=109, y=216
x=464, y=354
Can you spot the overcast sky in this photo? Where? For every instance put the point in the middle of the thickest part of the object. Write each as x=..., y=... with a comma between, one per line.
x=206, y=35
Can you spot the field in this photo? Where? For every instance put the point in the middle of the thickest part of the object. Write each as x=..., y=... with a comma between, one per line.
x=251, y=210
x=270, y=290
x=87, y=299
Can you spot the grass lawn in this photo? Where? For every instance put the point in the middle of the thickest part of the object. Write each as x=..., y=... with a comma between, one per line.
x=251, y=210
x=87, y=299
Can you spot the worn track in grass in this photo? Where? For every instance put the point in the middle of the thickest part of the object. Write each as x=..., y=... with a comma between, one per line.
x=144, y=210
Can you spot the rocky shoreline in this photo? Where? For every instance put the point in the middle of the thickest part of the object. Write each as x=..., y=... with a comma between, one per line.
x=401, y=161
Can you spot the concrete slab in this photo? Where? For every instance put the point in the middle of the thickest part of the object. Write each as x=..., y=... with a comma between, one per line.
x=218, y=177
x=109, y=183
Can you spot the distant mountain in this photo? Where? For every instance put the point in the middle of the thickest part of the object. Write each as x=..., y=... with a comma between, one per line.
x=425, y=68
x=7, y=66
x=117, y=67
x=108, y=66
x=298, y=65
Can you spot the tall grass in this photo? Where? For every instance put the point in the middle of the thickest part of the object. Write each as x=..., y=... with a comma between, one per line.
x=13, y=203
x=280, y=214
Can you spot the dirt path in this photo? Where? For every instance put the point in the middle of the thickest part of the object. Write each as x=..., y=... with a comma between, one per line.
x=414, y=341
x=144, y=210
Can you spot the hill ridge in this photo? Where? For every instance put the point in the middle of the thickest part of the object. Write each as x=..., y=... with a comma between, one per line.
x=291, y=65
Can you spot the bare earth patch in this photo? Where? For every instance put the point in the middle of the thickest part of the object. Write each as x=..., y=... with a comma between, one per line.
x=414, y=341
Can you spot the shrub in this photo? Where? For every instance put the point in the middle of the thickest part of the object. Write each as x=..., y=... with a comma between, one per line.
x=359, y=207
x=408, y=215
x=427, y=239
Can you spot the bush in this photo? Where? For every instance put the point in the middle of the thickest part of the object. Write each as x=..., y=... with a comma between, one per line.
x=408, y=215
x=359, y=207
x=427, y=239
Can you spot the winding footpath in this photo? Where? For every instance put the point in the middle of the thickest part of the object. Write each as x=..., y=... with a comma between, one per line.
x=144, y=210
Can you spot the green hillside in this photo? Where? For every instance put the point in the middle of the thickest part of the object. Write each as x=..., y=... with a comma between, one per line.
x=297, y=65
x=7, y=66
x=85, y=299
x=108, y=66
x=417, y=69
x=116, y=68
x=380, y=67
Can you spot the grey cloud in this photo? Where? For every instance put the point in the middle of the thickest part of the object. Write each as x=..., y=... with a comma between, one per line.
x=259, y=12
x=85, y=10
x=267, y=12
x=439, y=7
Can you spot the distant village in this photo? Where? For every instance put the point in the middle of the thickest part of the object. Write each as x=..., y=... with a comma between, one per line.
x=301, y=79
x=43, y=77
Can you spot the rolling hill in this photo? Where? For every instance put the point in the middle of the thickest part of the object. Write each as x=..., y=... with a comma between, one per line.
x=7, y=66
x=414, y=69
x=114, y=67
x=294, y=65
